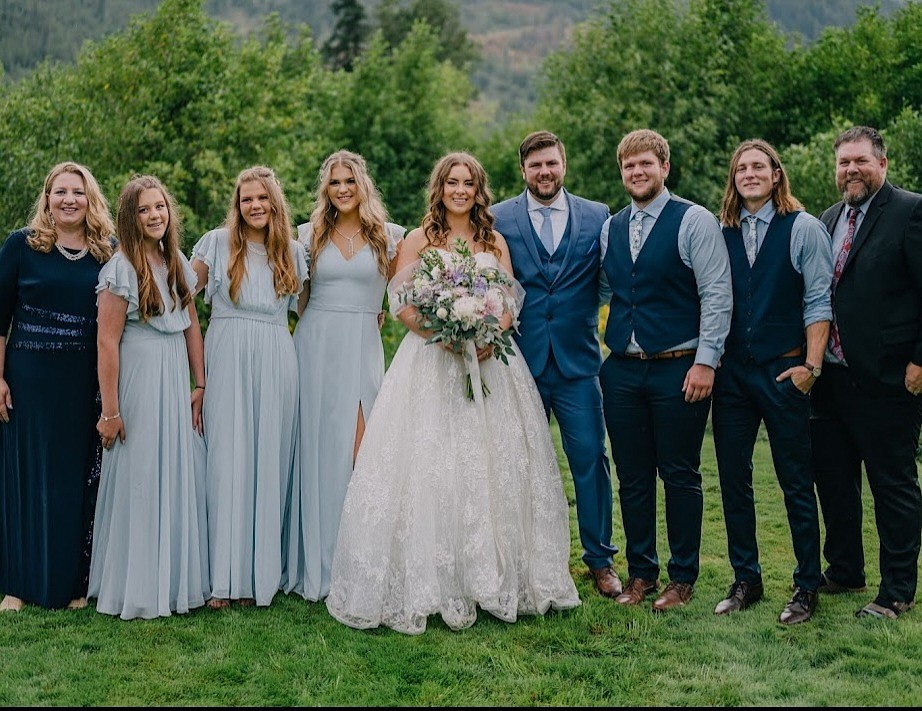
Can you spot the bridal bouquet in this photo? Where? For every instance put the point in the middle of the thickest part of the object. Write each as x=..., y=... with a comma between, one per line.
x=461, y=302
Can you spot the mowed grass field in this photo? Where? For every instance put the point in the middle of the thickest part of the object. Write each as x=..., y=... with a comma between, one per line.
x=600, y=654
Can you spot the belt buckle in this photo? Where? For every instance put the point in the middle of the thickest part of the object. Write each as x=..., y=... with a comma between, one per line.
x=644, y=356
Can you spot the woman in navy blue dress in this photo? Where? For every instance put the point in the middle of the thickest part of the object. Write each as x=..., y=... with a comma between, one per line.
x=49, y=448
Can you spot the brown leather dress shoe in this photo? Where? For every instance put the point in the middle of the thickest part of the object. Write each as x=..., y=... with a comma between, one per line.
x=741, y=595
x=674, y=595
x=800, y=608
x=636, y=590
x=606, y=581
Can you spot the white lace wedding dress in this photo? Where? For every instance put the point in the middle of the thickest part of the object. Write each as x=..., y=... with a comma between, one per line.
x=452, y=505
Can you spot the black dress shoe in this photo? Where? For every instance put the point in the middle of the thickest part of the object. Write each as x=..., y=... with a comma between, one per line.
x=742, y=594
x=800, y=608
x=828, y=586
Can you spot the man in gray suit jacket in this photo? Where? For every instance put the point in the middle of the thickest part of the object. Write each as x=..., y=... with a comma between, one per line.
x=553, y=240
x=866, y=408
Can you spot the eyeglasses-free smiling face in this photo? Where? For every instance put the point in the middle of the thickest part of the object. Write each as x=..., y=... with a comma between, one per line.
x=342, y=189
x=153, y=214
x=255, y=205
x=459, y=190
x=755, y=179
x=543, y=172
x=644, y=176
x=67, y=200
x=859, y=173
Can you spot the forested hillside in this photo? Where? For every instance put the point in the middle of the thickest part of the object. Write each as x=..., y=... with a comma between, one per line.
x=178, y=94
x=514, y=36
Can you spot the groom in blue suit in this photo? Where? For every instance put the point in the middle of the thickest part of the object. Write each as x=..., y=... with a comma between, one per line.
x=553, y=240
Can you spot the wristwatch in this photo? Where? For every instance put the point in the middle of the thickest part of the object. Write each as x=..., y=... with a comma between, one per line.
x=815, y=370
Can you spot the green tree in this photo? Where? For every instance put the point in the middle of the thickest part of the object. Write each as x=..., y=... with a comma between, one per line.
x=396, y=19
x=402, y=110
x=703, y=73
x=350, y=32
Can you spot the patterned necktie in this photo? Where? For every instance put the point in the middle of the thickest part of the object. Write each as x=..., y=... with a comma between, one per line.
x=636, y=233
x=547, y=230
x=752, y=239
x=835, y=345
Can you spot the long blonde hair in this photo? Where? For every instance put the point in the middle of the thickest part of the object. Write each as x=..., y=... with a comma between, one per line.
x=131, y=244
x=278, y=237
x=784, y=200
x=435, y=222
x=372, y=213
x=98, y=226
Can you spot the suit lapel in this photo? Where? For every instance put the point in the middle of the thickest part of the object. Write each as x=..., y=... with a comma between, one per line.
x=832, y=217
x=523, y=222
x=875, y=209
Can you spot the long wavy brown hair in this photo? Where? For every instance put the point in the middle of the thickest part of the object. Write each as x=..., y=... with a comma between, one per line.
x=131, y=244
x=784, y=200
x=435, y=222
x=98, y=227
x=278, y=236
x=372, y=213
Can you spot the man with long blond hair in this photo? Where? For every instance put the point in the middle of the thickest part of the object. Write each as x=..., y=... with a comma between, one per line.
x=781, y=263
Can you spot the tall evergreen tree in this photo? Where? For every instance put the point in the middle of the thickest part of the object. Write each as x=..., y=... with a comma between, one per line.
x=350, y=31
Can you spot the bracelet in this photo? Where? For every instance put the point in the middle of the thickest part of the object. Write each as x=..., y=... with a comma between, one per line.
x=114, y=417
x=199, y=387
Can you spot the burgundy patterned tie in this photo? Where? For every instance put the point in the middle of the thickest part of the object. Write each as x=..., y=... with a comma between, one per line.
x=835, y=345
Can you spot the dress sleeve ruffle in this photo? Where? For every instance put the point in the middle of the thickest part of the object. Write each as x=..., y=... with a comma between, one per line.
x=189, y=273
x=302, y=270
x=397, y=288
x=395, y=234
x=207, y=251
x=119, y=277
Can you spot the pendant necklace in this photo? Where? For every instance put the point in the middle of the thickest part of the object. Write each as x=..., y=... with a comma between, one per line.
x=350, y=240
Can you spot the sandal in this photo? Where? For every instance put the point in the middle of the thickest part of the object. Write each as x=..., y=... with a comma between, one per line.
x=218, y=603
x=11, y=604
x=246, y=602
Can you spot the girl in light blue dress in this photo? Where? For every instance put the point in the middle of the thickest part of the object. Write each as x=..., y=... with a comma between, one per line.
x=149, y=551
x=252, y=271
x=340, y=358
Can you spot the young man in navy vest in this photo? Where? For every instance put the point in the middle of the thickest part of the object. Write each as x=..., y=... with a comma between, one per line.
x=665, y=265
x=781, y=262
x=553, y=239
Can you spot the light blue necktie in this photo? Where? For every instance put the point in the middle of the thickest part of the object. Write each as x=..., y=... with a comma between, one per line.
x=547, y=230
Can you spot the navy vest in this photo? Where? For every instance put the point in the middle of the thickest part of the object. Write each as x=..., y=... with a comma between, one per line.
x=768, y=298
x=551, y=262
x=655, y=297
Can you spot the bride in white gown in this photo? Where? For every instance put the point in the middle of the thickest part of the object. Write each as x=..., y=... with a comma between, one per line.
x=453, y=503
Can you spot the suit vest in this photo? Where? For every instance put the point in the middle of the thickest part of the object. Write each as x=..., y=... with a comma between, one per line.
x=768, y=298
x=655, y=297
x=551, y=262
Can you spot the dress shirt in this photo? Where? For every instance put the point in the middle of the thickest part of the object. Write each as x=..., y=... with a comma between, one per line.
x=702, y=249
x=560, y=214
x=811, y=257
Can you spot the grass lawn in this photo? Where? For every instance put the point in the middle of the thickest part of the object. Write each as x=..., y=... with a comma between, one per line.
x=600, y=654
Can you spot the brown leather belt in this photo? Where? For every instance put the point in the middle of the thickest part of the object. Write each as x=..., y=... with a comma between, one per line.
x=660, y=356
x=793, y=352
